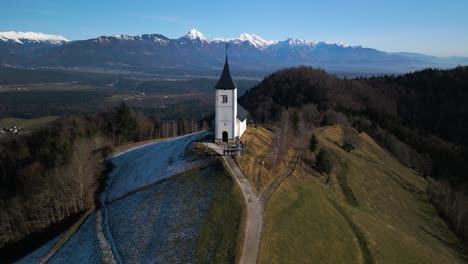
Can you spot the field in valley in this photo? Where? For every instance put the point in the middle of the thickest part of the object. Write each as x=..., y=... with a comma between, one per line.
x=27, y=123
x=36, y=93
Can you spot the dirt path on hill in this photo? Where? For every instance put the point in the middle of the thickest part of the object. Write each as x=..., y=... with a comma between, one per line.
x=255, y=208
x=253, y=226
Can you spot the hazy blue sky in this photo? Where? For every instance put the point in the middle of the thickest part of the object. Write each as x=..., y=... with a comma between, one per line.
x=431, y=27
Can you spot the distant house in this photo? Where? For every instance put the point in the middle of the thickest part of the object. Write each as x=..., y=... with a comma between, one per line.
x=230, y=117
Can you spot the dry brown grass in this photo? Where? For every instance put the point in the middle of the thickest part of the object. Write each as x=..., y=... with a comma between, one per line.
x=260, y=148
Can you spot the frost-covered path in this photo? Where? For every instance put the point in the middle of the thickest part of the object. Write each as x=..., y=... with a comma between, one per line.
x=253, y=225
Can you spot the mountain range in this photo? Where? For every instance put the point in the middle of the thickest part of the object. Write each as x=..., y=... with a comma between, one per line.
x=193, y=53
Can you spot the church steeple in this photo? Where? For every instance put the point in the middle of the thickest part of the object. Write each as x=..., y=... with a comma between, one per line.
x=225, y=81
x=229, y=126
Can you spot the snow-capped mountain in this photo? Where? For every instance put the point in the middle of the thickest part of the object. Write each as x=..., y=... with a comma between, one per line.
x=193, y=52
x=193, y=36
x=252, y=39
x=31, y=37
x=293, y=42
x=155, y=38
x=22, y=48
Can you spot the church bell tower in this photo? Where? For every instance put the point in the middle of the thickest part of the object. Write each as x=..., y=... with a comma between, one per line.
x=226, y=107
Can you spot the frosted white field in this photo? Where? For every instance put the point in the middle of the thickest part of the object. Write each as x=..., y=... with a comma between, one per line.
x=162, y=224
x=149, y=164
x=82, y=247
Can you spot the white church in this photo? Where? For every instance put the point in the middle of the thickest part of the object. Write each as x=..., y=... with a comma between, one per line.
x=230, y=118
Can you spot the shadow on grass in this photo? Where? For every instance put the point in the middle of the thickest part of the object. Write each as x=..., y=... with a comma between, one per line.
x=347, y=191
x=363, y=244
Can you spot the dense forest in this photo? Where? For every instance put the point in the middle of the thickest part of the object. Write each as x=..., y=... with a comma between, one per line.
x=53, y=174
x=420, y=117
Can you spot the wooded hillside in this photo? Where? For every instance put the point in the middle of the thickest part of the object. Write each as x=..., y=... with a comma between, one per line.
x=420, y=117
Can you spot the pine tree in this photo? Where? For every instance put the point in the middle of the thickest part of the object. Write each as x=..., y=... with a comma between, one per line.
x=296, y=121
x=324, y=162
x=313, y=143
x=125, y=123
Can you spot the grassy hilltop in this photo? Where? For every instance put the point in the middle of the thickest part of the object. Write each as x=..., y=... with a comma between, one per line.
x=371, y=209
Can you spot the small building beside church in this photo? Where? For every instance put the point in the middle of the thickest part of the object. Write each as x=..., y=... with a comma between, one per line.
x=230, y=117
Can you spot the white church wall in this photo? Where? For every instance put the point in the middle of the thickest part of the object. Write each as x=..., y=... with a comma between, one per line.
x=241, y=127
x=234, y=117
x=225, y=114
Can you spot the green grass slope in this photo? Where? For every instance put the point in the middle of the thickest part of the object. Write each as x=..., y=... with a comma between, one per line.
x=373, y=210
x=220, y=238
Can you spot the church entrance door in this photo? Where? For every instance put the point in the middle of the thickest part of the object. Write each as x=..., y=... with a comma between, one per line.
x=225, y=136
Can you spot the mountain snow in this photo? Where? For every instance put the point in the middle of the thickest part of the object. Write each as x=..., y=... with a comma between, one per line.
x=31, y=37
x=299, y=42
x=123, y=37
x=194, y=34
x=262, y=44
x=156, y=38
x=256, y=41
x=252, y=39
x=339, y=44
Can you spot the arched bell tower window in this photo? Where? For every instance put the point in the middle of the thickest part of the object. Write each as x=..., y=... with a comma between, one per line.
x=224, y=99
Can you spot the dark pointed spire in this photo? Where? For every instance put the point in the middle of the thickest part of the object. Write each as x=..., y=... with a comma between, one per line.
x=225, y=81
